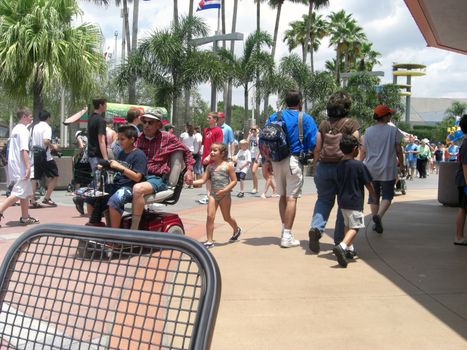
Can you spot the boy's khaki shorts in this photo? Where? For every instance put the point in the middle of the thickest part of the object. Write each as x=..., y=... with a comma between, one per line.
x=353, y=218
x=288, y=174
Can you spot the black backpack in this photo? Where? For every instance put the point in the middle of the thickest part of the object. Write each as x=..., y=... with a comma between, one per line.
x=274, y=143
x=273, y=140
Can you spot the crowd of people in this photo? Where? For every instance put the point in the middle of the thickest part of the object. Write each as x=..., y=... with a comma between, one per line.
x=346, y=161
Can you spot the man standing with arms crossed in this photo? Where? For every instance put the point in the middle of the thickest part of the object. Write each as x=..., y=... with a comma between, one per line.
x=289, y=171
x=97, y=145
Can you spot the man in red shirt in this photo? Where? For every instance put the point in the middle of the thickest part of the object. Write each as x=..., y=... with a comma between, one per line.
x=211, y=134
x=158, y=146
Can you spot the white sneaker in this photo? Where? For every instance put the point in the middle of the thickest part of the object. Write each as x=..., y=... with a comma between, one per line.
x=203, y=200
x=289, y=242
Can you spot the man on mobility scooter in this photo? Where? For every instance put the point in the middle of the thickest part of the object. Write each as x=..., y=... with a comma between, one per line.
x=158, y=146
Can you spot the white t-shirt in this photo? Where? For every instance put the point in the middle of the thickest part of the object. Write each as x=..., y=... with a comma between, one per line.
x=199, y=138
x=19, y=141
x=243, y=157
x=42, y=131
x=190, y=141
x=380, y=151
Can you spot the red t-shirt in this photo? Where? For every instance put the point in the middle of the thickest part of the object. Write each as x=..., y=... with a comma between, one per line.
x=211, y=135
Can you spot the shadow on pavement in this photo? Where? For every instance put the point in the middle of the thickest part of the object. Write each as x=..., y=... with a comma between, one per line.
x=416, y=253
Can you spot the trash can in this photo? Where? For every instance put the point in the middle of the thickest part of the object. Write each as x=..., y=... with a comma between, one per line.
x=447, y=189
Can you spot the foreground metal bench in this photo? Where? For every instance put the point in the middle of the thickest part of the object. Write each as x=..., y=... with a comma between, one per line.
x=81, y=287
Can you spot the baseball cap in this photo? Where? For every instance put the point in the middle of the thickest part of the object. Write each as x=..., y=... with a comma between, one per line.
x=220, y=114
x=382, y=110
x=152, y=115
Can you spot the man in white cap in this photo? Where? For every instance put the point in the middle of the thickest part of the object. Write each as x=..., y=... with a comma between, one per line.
x=158, y=145
x=380, y=150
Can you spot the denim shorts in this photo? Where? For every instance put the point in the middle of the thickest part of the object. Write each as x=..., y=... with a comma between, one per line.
x=158, y=183
x=384, y=190
x=240, y=175
x=119, y=198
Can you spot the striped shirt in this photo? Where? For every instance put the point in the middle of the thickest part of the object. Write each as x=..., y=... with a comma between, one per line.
x=159, y=149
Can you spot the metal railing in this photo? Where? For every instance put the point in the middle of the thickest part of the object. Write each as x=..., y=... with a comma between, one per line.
x=82, y=287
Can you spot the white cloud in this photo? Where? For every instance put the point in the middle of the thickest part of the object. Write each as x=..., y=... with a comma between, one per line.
x=387, y=23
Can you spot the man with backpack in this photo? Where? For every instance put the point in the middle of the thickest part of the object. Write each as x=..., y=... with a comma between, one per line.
x=287, y=136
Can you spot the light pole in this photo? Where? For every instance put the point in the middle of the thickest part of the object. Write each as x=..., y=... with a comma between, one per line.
x=115, y=49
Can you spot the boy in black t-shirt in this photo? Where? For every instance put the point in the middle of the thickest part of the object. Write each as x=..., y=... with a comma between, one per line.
x=461, y=183
x=352, y=176
x=130, y=167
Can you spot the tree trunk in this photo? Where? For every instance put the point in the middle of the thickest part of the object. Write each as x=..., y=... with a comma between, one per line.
x=338, y=57
x=38, y=103
x=228, y=101
x=273, y=52
x=187, y=91
x=308, y=28
x=127, y=26
x=245, y=101
x=258, y=28
x=303, y=53
x=175, y=12
x=134, y=45
x=312, y=63
x=223, y=21
x=190, y=10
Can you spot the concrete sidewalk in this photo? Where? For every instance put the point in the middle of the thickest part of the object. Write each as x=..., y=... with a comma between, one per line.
x=406, y=290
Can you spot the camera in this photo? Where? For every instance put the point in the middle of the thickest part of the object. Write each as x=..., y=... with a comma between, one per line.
x=304, y=157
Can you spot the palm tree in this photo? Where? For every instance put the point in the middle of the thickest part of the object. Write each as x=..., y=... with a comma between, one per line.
x=456, y=109
x=312, y=4
x=166, y=61
x=39, y=50
x=296, y=35
x=346, y=36
x=131, y=44
x=277, y=4
x=254, y=60
x=292, y=66
x=368, y=57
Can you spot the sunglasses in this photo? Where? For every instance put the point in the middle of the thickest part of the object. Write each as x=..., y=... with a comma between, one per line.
x=147, y=121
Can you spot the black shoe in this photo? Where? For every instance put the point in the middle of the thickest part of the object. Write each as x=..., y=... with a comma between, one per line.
x=314, y=236
x=79, y=204
x=240, y=195
x=350, y=254
x=378, y=227
x=236, y=234
x=339, y=252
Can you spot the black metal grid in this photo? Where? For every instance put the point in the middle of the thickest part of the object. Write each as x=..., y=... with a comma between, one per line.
x=92, y=290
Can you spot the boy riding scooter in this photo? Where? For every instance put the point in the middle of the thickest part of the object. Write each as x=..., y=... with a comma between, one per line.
x=130, y=167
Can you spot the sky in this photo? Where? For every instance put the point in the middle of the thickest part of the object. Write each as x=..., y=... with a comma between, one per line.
x=388, y=24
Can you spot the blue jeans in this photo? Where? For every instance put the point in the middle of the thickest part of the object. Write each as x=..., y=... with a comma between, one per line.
x=326, y=185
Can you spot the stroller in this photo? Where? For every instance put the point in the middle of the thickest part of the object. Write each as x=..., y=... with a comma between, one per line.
x=81, y=167
x=401, y=181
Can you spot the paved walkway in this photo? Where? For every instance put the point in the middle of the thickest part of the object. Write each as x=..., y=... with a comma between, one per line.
x=406, y=290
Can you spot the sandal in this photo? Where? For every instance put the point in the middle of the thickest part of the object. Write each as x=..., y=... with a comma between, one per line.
x=50, y=202
x=35, y=205
x=29, y=221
